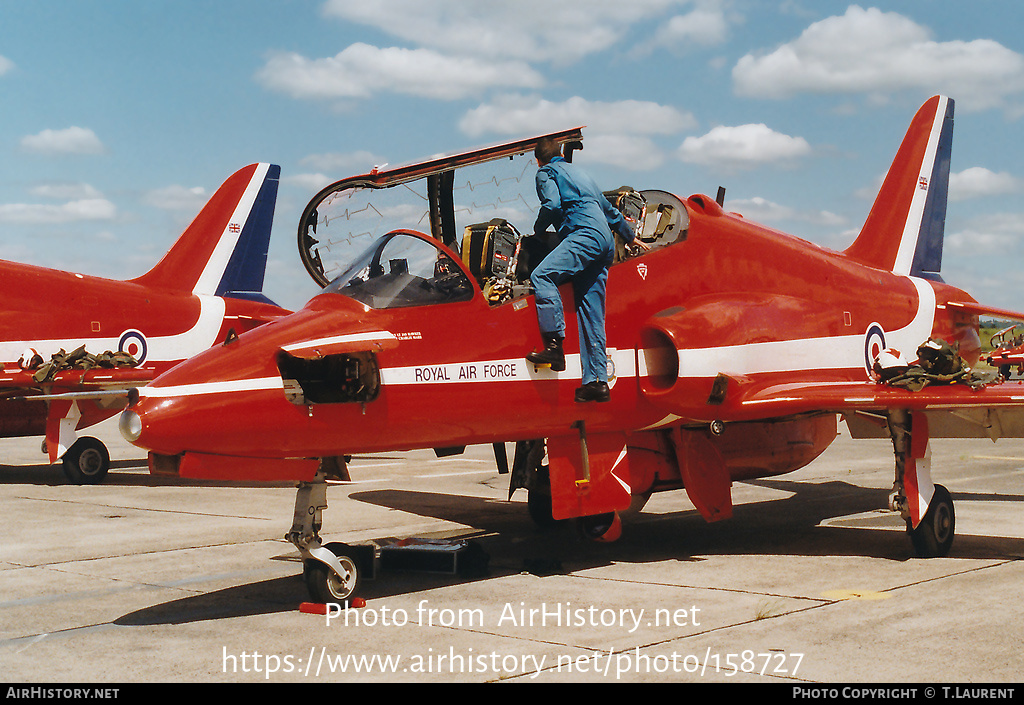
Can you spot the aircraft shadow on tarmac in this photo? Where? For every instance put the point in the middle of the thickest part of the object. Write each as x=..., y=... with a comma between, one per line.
x=789, y=526
x=46, y=475
x=808, y=522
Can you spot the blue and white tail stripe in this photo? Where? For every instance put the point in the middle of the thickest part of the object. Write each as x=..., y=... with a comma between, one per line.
x=920, y=252
x=238, y=263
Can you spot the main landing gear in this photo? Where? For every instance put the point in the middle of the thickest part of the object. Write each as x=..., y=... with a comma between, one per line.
x=332, y=572
x=530, y=471
x=927, y=508
x=86, y=462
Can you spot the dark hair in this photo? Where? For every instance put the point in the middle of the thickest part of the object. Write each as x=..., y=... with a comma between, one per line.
x=547, y=149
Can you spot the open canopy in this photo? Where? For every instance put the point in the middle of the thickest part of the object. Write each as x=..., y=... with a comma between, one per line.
x=440, y=196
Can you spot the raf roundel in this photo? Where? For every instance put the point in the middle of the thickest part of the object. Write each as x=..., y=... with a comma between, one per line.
x=874, y=343
x=133, y=342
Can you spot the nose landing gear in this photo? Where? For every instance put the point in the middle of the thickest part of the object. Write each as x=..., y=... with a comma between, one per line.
x=331, y=572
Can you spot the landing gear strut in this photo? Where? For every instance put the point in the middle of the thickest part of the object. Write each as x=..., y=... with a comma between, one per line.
x=927, y=508
x=530, y=472
x=331, y=572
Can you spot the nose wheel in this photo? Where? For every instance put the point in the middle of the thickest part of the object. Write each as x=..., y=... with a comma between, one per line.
x=331, y=572
x=336, y=581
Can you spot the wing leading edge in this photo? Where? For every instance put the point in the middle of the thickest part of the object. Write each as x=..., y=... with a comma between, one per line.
x=955, y=410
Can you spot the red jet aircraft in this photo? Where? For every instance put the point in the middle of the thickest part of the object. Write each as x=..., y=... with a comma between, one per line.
x=732, y=348
x=209, y=282
x=1007, y=352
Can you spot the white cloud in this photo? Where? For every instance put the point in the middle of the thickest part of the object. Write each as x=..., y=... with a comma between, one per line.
x=742, y=147
x=177, y=198
x=6, y=65
x=66, y=191
x=880, y=54
x=765, y=211
x=987, y=235
x=73, y=211
x=362, y=70
x=978, y=182
x=616, y=133
x=73, y=140
x=312, y=183
x=704, y=26
x=534, y=30
x=630, y=152
x=516, y=114
x=361, y=161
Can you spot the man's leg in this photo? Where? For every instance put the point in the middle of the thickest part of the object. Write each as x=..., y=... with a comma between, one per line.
x=575, y=254
x=589, y=287
x=550, y=315
x=545, y=279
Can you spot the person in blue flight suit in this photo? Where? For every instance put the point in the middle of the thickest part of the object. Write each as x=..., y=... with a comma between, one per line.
x=584, y=218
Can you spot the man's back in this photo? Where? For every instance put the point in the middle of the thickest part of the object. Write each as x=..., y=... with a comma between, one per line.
x=573, y=199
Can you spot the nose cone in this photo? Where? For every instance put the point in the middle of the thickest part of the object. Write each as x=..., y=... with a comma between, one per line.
x=207, y=403
x=130, y=425
x=231, y=399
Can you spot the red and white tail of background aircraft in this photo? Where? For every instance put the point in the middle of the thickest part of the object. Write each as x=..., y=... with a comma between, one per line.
x=732, y=349
x=209, y=283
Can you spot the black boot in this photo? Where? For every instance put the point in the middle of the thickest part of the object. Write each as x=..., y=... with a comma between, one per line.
x=593, y=391
x=551, y=356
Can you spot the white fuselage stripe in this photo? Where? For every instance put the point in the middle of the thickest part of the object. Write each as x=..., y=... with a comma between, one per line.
x=341, y=340
x=163, y=348
x=509, y=370
x=838, y=352
x=830, y=353
x=203, y=388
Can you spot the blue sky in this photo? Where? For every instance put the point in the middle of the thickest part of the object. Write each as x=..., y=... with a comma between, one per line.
x=120, y=117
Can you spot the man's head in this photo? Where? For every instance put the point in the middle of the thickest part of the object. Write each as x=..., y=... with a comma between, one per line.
x=546, y=150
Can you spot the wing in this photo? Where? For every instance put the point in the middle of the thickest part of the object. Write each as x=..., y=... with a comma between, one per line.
x=97, y=383
x=65, y=401
x=954, y=410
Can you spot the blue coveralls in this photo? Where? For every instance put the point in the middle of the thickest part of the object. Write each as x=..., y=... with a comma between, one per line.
x=572, y=202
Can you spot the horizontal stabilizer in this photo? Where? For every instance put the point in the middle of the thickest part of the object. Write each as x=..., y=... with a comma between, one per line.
x=980, y=310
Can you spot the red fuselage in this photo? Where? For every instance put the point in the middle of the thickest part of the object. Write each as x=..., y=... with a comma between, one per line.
x=453, y=374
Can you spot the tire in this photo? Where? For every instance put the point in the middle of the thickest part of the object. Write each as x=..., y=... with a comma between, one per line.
x=933, y=537
x=86, y=462
x=323, y=584
x=605, y=528
x=538, y=500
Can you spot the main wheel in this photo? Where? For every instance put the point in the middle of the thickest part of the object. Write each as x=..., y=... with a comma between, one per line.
x=323, y=584
x=538, y=499
x=86, y=462
x=933, y=537
x=602, y=527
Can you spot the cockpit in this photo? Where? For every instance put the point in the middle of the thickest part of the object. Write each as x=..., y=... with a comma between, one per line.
x=356, y=237
x=401, y=269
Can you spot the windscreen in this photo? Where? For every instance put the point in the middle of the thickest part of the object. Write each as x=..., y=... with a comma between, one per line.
x=345, y=222
x=401, y=270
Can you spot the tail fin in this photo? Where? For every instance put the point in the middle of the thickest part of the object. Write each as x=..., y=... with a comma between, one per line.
x=904, y=230
x=224, y=251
